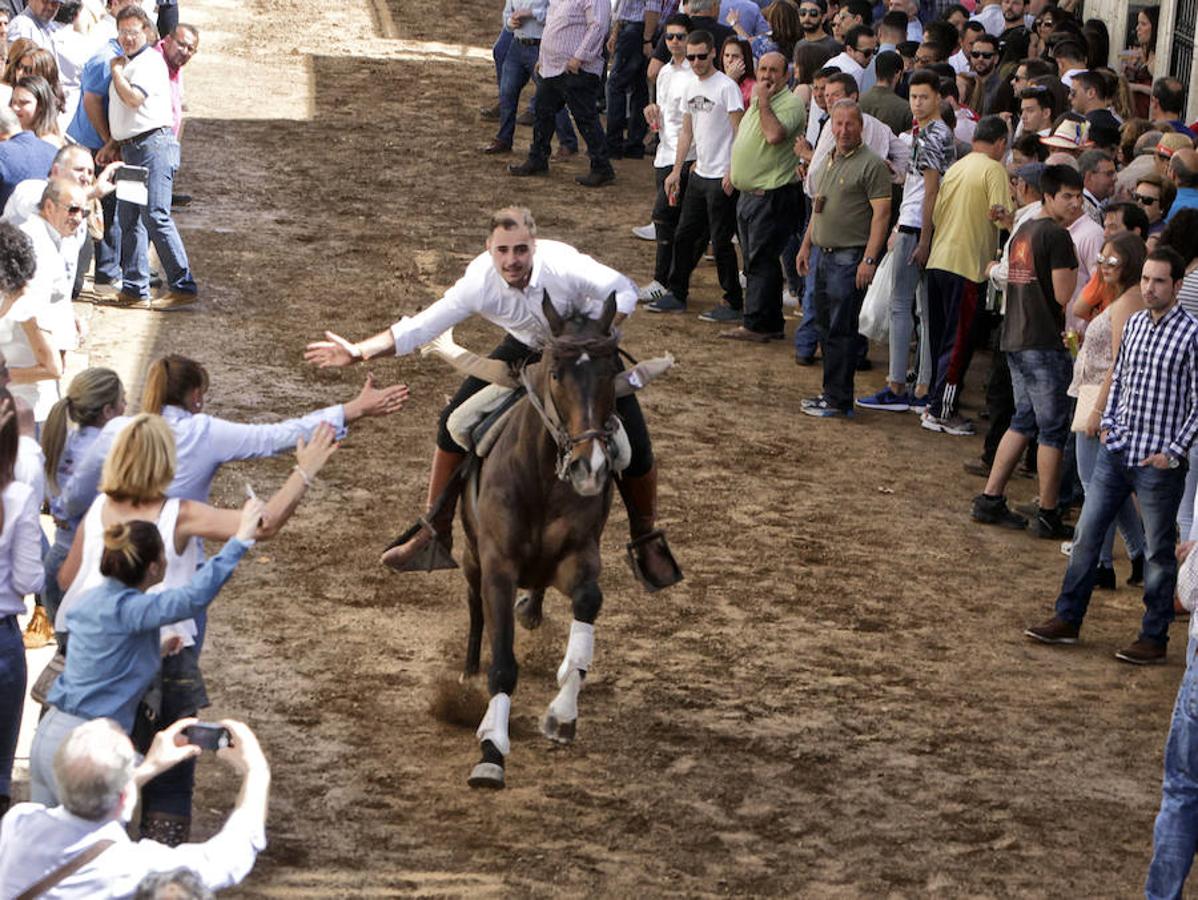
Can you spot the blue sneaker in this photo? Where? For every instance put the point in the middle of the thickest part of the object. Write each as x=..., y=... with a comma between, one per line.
x=666, y=303
x=820, y=408
x=886, y=399
x=918, y=404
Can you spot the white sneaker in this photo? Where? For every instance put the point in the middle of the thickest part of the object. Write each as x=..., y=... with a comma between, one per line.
x=650, y=292
x=789, y=299
x=646, y=232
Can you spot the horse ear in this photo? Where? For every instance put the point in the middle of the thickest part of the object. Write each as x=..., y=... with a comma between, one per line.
x=609, y=313
x=555, y=321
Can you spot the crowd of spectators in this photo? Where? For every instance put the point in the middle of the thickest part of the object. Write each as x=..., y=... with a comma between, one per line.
x=987, y=176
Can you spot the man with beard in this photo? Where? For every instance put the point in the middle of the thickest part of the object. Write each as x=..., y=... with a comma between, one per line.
x=983, y=59
x=811, y=17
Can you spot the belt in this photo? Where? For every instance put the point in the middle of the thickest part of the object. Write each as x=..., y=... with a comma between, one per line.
x=624, y=23
x=910, y=229
x=838, y=249
x=529, y=42
x=144, y=134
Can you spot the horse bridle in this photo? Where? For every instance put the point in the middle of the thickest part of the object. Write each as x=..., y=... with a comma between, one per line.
x=546, y=409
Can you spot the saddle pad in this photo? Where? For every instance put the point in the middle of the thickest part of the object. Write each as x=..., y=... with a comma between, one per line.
x=465, y=420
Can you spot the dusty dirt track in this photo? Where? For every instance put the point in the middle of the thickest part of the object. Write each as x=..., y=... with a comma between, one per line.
x=837, y=701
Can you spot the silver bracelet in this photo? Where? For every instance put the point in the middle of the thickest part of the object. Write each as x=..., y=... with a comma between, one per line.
x=304, y=475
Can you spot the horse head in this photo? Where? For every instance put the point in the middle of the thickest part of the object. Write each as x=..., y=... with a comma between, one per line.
x=579, y=394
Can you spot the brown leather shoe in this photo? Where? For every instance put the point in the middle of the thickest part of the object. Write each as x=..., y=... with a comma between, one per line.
x=489, y=113
x=526, y=119
x=496, y=147
x=443, y=488
x=740, y=333
x=1142, y=653
x=1055, y=631
x=563, y=153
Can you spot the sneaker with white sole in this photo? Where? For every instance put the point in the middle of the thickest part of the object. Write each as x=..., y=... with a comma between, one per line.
x=820, y=408
x=650, y=292
x=885, y=399
x=645, y=232
x=722, y=314
x=956, y=424
x=789, y=299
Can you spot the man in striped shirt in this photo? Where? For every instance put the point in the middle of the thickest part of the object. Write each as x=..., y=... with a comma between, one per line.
x=1149, y=422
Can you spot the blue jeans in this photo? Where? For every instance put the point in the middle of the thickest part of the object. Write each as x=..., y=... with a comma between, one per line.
x=627, y=86
x=159, y=152
x=1039, y=380
x=499, y=52
x=837, y=308
x=519, y=65
x=1128, y=518
x=1185, y=515
x=12, y=697
x=52, y=561
x=52, y=730
x=108, y=248
x=1159, y=492
x=1175, y=834
x=807, y=334
x=902, y=308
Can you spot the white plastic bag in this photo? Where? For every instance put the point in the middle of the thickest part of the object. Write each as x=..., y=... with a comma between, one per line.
x=874, y=321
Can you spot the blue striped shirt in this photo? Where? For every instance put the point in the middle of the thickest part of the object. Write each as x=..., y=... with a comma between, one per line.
x=1153, y=404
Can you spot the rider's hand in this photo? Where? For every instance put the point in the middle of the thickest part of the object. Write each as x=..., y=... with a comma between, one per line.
x=336, y=351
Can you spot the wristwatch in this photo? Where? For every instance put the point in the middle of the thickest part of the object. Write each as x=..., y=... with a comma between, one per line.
x=870, y=261
x=1174, y=462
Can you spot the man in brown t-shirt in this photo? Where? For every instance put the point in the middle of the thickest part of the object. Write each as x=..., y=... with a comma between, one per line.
x=849, y=221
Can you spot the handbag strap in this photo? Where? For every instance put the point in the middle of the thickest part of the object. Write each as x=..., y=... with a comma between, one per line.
x=70, y=867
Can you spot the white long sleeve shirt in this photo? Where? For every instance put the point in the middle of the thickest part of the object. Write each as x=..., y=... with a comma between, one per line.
x=877, y=136
x=21, y=569
x=573, y=280
x=34, y=841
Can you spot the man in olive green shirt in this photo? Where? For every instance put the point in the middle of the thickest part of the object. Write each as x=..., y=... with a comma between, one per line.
x=881, y=102
x=849, y=220
x=763, y=170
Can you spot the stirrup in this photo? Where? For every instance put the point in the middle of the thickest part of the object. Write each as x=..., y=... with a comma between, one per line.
x=429, y=558
x=654, y=541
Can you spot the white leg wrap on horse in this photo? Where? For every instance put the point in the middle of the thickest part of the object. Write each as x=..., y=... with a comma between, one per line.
x=564, y=707
x=579, y=651
x=494, y=724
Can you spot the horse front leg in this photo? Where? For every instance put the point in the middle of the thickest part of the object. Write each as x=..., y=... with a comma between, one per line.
x=529, y=609
x=561, y=718
x=499, y=588
x=474, y=602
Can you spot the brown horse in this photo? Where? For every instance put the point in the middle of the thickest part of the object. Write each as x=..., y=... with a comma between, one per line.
x=533, y=514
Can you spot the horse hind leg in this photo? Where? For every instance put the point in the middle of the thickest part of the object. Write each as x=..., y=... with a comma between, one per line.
x=529, y=609
x=474, y=602
x=561, y=718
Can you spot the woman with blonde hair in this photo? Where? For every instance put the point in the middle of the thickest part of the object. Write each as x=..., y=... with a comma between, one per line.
x=20, y=574
x=115, y=653
x=177, y=389
x=94, y=398
x=136, y=475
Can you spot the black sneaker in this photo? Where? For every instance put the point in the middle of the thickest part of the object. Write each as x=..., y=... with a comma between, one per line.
x=994, y=511
x=721, y=314
x=1048, y=524
x=1104, y=578
x=596, y=179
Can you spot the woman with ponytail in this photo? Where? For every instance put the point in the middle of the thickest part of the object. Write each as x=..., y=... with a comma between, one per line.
x=176, y=389
x=115, y=653
x=95, y=397
x=136, y=475
x=20, y=574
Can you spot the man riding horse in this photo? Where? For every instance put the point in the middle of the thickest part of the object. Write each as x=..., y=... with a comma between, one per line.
x=506, y=285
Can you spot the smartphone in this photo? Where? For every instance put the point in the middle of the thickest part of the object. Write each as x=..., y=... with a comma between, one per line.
x=132, y=184
x=207, y=736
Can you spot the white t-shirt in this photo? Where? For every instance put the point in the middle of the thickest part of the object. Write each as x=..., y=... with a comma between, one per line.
x=671, y=81
x=147, y=73
x=708, y=101
x=848, y=65
x=52, y=282
x=992, y=18
x=40, y=395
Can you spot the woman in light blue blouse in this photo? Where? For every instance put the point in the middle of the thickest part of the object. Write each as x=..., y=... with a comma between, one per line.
x=115, y=651
x=95, y=397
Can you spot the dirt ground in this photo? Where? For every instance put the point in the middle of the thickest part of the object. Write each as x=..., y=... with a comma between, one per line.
x=838, y=701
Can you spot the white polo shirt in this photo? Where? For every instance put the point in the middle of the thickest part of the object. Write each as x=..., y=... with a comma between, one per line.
x=147, y=73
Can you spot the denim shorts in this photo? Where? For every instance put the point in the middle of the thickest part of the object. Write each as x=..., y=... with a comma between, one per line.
x=1039, y=379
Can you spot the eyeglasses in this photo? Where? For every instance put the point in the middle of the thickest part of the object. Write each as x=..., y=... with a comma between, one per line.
x=76, y=210
x=130, y=32
x=1145, y=200
x=1111, y=261
x=867, y=52
x=809, y=13
x=675, y=35
x=694, y=56
x=981, y=54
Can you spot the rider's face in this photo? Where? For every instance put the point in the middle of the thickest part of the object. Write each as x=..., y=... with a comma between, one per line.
x=511, y=252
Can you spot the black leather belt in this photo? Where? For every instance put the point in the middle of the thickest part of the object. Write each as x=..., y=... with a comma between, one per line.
x=529, y=42
x=910, y=229
x=624, y=23
x=143, y=135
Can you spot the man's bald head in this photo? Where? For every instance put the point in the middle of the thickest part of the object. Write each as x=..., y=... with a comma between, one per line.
x=1184, y=168
x=771, y=71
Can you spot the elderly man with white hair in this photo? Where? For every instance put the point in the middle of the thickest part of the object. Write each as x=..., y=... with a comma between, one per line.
x=81, y=849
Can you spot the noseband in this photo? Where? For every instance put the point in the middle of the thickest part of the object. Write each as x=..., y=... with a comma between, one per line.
x=572, y=348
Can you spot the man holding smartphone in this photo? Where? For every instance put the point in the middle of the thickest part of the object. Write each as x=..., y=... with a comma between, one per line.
x=141, y=121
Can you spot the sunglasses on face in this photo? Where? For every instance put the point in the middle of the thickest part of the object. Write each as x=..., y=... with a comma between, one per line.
x=981, y=54
x=675, y=36
x=1111, y=261
x=76, y=210
x=696, y=56
x=809, y=13
x=867, y=52
x=1144, y=200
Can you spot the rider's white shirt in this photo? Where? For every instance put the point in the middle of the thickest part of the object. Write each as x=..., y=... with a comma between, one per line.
x=574, y=281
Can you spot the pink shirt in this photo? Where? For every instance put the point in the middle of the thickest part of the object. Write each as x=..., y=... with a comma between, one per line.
x=176, y=80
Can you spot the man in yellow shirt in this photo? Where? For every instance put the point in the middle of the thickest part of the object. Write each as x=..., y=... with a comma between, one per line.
x=966, y=222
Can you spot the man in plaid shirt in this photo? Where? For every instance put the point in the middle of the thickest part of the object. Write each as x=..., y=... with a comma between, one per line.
x=1148, y=424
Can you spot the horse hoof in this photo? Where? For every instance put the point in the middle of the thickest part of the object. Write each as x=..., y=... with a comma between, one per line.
x=486, y=775
x=558, y=731
x=528, y=614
